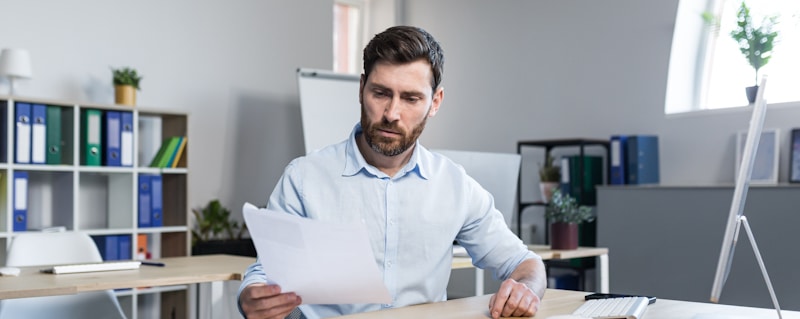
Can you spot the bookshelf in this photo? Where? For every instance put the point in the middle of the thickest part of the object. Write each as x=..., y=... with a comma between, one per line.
x=587, y=230
x=101, y=200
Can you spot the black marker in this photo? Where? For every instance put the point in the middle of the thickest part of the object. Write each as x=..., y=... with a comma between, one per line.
x=152, y=263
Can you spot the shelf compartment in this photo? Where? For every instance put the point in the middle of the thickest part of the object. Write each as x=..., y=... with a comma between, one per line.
x=50, y=199
x=105, y=200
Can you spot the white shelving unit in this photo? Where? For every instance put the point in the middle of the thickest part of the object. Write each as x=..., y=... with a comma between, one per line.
x=101, y=200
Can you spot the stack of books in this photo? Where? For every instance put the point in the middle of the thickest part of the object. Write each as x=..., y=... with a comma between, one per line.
x=169, y=155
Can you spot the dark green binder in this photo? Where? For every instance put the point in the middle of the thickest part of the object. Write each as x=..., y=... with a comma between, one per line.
x=91, y=127
x=54, y=142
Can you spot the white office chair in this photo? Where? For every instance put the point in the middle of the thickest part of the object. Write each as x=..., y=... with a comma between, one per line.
x=36, y=249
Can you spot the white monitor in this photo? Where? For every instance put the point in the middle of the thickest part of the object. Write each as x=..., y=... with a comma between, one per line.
x=496, y=172
x=740, y=195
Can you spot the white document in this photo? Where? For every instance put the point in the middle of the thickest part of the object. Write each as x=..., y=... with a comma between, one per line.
x=323, y=263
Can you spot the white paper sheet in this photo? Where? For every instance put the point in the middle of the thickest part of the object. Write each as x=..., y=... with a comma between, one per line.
x=324, y=263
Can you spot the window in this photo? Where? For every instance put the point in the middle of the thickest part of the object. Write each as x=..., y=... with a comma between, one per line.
x=720, y=71
x=347, y=28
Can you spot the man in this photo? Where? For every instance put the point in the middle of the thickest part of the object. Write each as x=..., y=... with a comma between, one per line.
x=414, y=202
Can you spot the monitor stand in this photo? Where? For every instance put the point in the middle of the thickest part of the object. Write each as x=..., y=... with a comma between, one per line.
x=743, y=221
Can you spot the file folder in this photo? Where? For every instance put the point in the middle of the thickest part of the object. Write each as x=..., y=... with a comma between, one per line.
x=108, y=245
x=38, y=134
x=619, y=147
x=22, y=141
x=169, y=147
x=126, y=146
x=20, y=201
x=643, y=167
x=111, y=139
x=179, y=153
x=565, y=185
x=125, y=250
x=54, y=141
x=4, y=130
x=173, y=159
x=90, y=137
x=157, y=202
x=144, y=201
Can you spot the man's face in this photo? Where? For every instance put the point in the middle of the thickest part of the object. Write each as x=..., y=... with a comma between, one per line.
x=396, y=101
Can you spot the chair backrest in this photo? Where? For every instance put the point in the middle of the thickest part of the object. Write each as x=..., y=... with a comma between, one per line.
x=498, y=173
x=36, y=249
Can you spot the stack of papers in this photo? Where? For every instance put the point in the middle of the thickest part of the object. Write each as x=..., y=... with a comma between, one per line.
x=322, y=262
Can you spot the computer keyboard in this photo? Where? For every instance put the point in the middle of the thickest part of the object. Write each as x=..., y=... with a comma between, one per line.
x=613, y=308
x=92, y=267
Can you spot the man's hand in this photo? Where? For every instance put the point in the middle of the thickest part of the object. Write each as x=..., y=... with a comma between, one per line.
x=261, y=301
x=513, y=299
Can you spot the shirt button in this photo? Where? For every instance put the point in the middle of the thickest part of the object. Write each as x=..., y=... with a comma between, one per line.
x=389, y=264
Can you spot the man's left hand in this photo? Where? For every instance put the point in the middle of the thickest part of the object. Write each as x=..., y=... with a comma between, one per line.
x=513, y=299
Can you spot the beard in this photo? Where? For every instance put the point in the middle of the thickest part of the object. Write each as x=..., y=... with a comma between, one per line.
x=388, y=146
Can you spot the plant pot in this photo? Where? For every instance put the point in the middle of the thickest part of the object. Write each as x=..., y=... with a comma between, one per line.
x=239, y=247
x=547, y=189
x=564, y=236
x=751, y=93
x=125, y=95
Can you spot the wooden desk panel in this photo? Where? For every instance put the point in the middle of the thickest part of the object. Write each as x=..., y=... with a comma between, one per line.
x=177, y=271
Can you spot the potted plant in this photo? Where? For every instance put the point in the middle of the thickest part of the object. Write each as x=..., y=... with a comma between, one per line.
x=755, y=43
x=216, y=233
x=564, y=214
x=126, y=83
x=549, y=178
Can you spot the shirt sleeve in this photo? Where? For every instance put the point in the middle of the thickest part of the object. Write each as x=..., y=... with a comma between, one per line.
x=487, y=238
x=252, y=275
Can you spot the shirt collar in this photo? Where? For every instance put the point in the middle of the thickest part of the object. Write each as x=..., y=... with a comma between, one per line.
x=355, y=162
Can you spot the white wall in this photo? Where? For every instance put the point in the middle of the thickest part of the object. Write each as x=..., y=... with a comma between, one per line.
x=515, y=70
x=524, y=70
x=230, y=64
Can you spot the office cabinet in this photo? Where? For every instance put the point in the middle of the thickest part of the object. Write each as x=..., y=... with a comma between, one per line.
x=88, y=183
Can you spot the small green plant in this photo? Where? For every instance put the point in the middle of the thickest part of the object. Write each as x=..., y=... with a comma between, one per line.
x=755, y=43
x=214, y=222
x=565, y=209
x=549, y=172
x=126, y=76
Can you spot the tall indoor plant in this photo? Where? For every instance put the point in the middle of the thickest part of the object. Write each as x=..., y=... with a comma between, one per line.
x=564, y=213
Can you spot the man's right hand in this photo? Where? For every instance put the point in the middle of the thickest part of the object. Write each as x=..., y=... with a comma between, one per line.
x=261, y=301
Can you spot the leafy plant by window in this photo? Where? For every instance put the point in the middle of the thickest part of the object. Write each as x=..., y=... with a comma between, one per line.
x=755, y=43
x=126, y=76
x=214, y=222
x=565, y=209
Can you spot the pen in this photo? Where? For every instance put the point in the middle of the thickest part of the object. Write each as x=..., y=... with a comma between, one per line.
x=152, y=263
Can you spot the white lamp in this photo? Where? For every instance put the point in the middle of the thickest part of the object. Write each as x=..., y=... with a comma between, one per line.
x=15, y=63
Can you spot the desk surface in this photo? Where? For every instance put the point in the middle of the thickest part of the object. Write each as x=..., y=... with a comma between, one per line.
x=563, y=302
x=545, y=252
x=177, y=271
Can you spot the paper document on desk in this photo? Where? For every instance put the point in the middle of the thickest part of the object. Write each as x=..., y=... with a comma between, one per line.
x=323, y=263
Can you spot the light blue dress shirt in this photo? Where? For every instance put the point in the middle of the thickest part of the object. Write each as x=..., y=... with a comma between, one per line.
x=412, y=219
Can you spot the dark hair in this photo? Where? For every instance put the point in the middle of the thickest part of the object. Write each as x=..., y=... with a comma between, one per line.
x=405, y=44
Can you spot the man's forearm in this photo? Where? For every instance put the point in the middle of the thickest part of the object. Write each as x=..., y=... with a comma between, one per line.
x=531, y=272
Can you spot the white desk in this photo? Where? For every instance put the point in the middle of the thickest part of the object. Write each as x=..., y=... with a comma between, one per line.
x=557, y=302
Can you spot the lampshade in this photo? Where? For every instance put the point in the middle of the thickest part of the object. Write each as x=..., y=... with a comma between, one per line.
x=15, y=63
